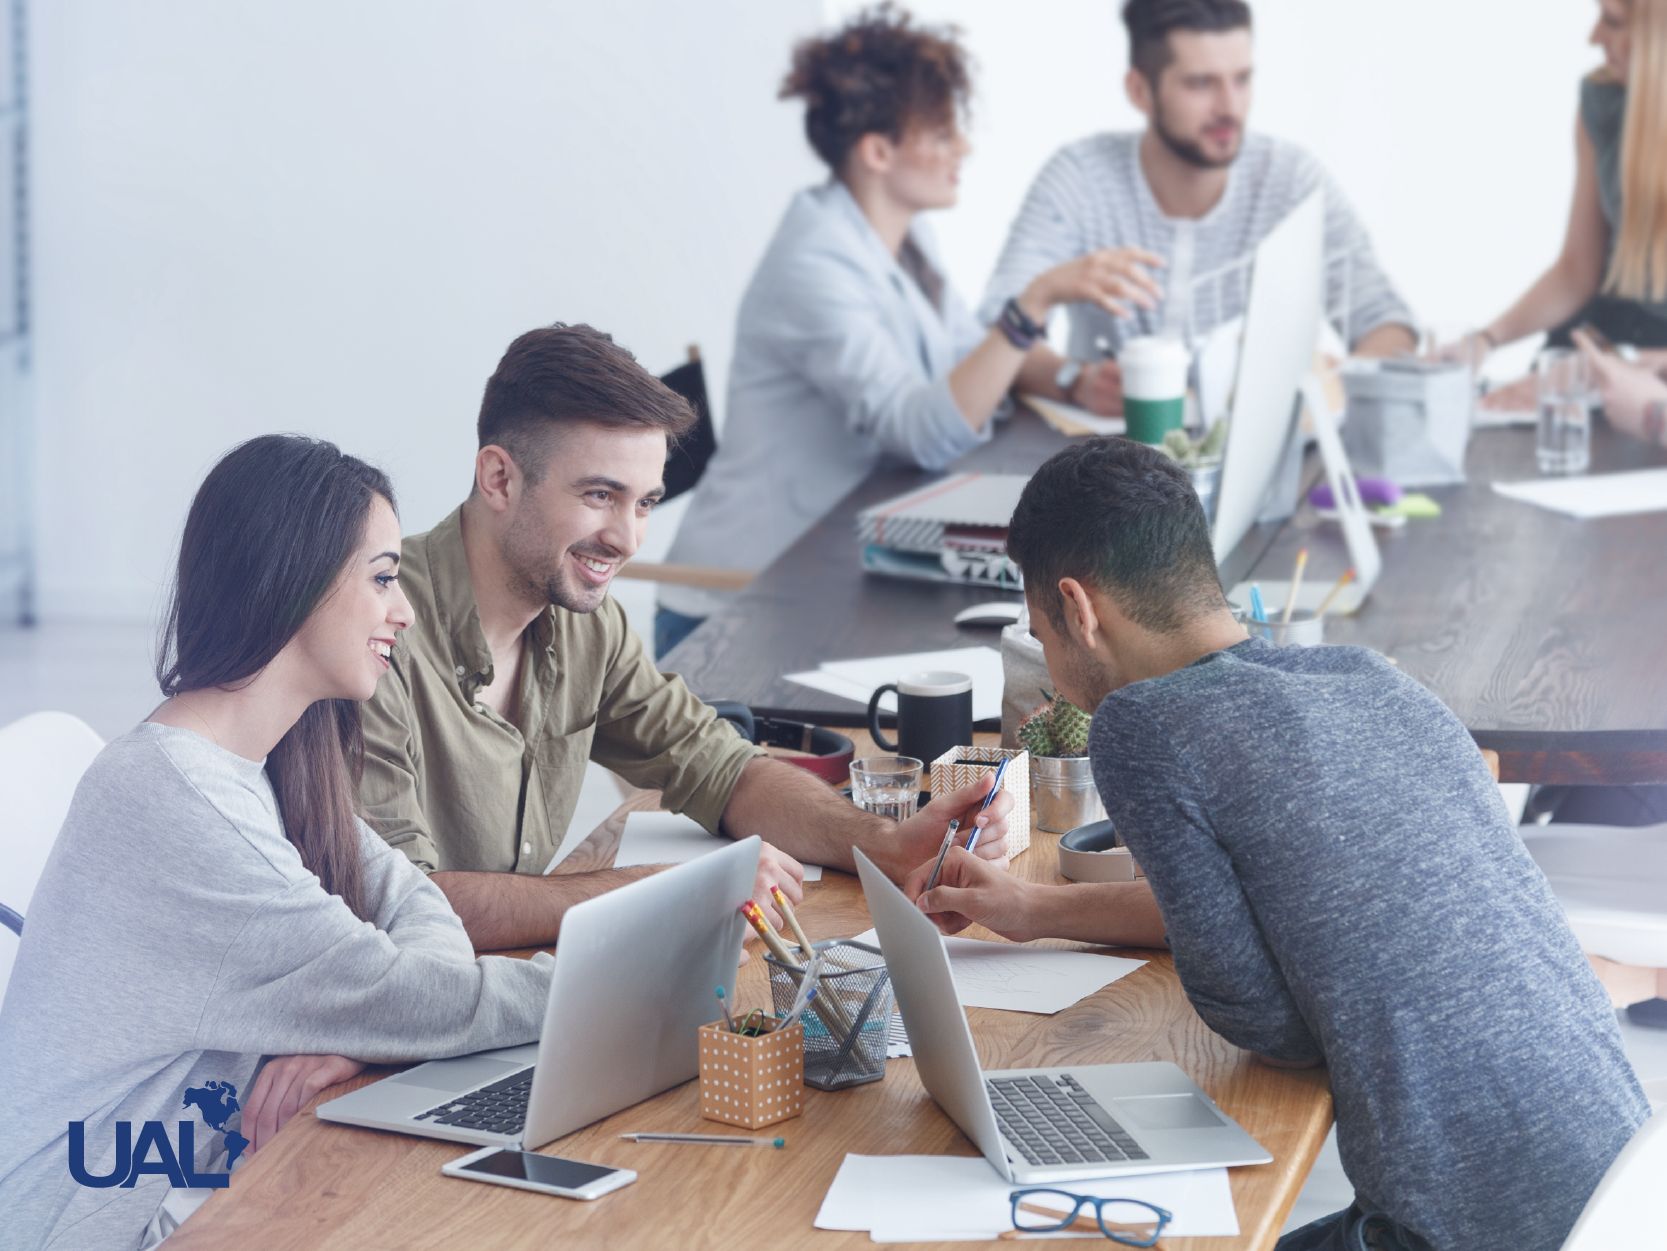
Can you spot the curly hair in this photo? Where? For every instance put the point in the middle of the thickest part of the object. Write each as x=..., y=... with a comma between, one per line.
x=879, y=74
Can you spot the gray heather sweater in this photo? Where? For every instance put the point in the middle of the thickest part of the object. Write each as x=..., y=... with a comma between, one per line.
x=1341, y=882
x=174, y=940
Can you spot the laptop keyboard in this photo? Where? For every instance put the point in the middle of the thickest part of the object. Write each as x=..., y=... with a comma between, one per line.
x=1055, y=1121
x=500, y=1108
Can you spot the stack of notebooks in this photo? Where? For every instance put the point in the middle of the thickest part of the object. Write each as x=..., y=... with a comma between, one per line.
x=954, y=530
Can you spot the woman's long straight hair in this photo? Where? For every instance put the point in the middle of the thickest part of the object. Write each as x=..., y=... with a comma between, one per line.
x=269, y=532
x=1638, y=266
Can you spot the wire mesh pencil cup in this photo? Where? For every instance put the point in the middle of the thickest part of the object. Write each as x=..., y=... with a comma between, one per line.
x=847, y=1023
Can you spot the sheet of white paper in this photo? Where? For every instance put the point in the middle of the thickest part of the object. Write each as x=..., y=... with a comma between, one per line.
x=1016, y=977
x=1594, y=495
x=897, y=1038
x=861, y=678
x=1501, y=418
x=833, y=684
x=671, y=838
x=1071, y=415
x=925, y=1198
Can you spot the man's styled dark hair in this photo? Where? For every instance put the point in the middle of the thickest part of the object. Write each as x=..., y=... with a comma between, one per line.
x=562, y=375
x=1122, y=518
x=1151, y=21
x=878, y=74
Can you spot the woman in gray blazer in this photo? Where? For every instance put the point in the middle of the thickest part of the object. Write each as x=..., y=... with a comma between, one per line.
x=850, y=346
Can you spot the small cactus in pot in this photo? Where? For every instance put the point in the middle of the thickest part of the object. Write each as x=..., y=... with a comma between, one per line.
x=1057, y=728
x=1061, y=783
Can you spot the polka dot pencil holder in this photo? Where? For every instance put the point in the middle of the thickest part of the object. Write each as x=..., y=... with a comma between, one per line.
x=751, y=1081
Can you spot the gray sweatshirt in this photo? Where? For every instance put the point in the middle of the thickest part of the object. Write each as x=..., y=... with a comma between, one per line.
x=1341, y=882
x=174, y=940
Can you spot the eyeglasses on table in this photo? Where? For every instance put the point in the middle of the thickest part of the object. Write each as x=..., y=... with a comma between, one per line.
x=1131, y=1222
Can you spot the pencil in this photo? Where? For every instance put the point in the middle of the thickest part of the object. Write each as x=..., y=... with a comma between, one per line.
x=1336, y=590
x=772, y=940
x=786, y=910
x=1296, y=585
x=711, y=1140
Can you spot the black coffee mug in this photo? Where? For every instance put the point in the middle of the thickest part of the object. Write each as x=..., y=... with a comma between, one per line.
x=934, y=714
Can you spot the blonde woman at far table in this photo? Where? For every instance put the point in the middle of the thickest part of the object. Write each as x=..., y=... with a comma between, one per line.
x=1612, y=270
x=851, y=348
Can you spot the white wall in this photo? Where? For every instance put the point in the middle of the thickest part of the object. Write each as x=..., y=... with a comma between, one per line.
x=1449, y=122
x=333, y=217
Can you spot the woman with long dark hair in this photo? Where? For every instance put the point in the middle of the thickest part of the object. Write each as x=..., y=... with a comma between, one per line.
x=212, y=898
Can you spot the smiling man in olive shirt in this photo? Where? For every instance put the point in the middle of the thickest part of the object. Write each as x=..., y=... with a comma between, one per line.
x=519, y=668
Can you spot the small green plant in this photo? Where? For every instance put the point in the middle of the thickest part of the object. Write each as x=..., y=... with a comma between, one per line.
x=1190, y=452
x=1057, y=728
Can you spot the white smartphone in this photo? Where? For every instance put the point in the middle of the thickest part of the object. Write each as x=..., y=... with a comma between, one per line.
x=547, y=1174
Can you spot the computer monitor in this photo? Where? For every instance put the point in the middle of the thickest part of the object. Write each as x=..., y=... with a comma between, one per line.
x=1281, y=327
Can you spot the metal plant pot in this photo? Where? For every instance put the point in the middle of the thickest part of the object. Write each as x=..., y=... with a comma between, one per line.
x=1206, y=481
x=1062, y=793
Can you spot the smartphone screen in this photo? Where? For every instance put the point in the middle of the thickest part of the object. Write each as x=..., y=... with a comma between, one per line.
x=542, y=1170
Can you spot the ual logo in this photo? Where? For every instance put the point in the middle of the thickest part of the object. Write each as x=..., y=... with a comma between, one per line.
x=153, y=1153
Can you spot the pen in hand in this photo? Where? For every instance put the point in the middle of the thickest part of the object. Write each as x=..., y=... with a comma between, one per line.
x=948, y=842
x=972, y=839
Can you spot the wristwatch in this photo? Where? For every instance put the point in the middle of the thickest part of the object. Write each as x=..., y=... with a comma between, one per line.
x=1655, y=421
x=1067, y=377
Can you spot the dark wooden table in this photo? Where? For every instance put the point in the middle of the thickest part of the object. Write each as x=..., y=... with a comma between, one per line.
x=815, y=603
x=1547, y=636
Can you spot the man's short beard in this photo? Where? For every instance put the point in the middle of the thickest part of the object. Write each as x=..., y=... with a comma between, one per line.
x=524, y=554
x=1185, y=149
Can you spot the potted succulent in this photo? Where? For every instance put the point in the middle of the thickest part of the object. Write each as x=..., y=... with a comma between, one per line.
x=1201, y=458
x=1062, y=792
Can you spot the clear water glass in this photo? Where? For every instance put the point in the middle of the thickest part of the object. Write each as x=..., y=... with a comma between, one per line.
x=1563, y=434
x=887, y=786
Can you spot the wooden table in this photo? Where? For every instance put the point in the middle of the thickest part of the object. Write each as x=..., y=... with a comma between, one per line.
x=319, y=1186
x=1547, y=635
x=1542, y=633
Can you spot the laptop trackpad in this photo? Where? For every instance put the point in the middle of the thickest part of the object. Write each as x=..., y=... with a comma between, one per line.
x=459, y=1074
x=1166, y=1112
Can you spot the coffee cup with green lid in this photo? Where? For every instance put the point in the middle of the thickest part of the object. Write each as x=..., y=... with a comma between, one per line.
x=1154, y=386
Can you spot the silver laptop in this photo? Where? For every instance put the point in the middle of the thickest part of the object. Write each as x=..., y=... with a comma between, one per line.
x=635, y=976
x=1039, y=1126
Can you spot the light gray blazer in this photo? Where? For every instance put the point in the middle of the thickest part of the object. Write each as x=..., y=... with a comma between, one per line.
x=840, y=362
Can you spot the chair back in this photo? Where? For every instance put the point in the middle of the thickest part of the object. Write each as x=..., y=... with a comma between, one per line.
x=1627, y=1208
x=687, y=460
x=42, y=757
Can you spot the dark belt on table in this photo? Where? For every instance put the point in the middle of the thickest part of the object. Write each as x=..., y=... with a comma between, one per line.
x=827, y=753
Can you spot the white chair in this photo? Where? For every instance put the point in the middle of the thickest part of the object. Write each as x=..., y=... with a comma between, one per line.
x=1612, y=883
x=42, y=757
x=1627, y=1210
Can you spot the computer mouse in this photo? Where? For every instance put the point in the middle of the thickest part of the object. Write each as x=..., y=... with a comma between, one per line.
x=997, y=613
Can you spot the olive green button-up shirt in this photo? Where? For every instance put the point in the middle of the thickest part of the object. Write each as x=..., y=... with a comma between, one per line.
x=456, y=786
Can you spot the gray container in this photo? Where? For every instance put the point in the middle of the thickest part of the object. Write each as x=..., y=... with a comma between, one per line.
x=1206, y=481
x=847, y=1024
x=1408, y=421
x=1062, y=793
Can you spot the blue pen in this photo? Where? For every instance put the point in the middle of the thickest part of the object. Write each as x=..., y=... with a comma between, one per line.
x=972, y=839
x=1257, y=612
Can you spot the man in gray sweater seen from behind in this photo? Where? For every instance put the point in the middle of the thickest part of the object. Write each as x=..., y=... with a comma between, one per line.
x=1332, y=866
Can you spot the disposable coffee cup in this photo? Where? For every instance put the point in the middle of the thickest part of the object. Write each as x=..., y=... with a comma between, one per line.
x=1154, y=386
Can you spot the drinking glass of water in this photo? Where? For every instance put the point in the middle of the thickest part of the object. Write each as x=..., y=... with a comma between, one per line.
x=887, y=786
x=1563, y=436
